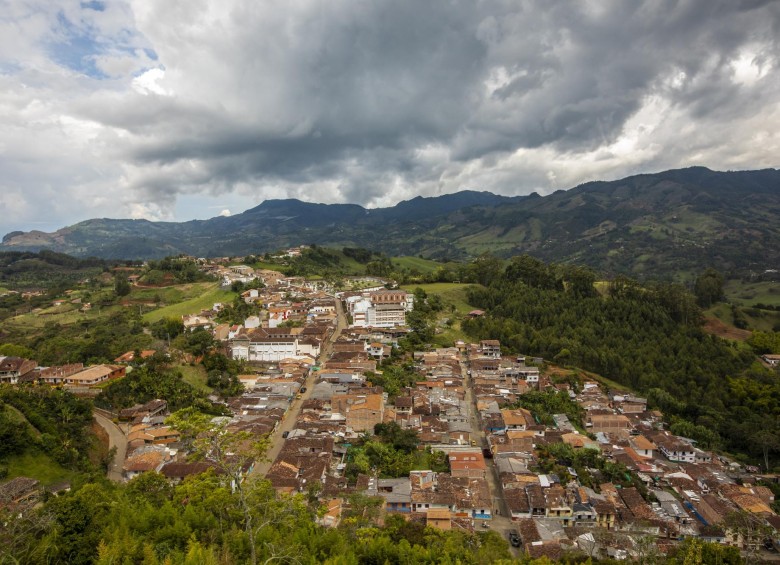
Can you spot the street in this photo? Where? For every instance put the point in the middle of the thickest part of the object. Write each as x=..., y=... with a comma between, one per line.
x=288, y=422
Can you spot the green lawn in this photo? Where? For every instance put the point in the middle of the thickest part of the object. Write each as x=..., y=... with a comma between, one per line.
x=195, y=376
x=416, y=263
x=451, y=294
x=211, y=294
x=38, y=466
x=761, y=320
x=751, y=293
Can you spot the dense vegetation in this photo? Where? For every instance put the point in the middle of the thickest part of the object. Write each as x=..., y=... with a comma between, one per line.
x=38, y=270
x=95, y=340
x=44, y=419
x=144, y=384
x=648, y=338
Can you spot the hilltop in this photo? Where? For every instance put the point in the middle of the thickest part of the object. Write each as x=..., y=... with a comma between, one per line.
x=663, y=224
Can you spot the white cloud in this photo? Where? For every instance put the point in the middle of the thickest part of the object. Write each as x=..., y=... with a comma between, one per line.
x=131, y=110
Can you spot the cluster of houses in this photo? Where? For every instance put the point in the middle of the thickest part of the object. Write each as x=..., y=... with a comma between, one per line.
x=464, y=403
x=692, y=491
x=74, y=376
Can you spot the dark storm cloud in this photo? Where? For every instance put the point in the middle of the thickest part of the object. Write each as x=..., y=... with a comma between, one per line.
x=376, y=102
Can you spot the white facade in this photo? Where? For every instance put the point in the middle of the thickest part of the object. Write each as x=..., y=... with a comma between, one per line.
x=272, y=350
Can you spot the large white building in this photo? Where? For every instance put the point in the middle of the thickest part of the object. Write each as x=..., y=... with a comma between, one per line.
x=264, y=347
x=380, y=309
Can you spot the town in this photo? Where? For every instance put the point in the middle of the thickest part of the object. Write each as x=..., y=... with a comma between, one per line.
x=467, y=437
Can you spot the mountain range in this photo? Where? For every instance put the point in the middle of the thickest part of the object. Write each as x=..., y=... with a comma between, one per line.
x=645, y=225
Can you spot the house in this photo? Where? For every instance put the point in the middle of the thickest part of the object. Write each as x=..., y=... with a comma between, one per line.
x=517, y=419
x=154, y=435
x=363, y=411
x=332, y=516
x=195, y=322
x=439, y=518
x=397, y=494
x=144, y=459
x=771, y=359
x=19, y=492
x=152, y=408
x=608, y=423
x=675, y=449
x=471, y=497
x=469, y=464
x=516, y=500
x=490, y=348
x=129, y=357
x=95, y=375
x=57, y=375
x=643, y=446
x=178, y=471
x=14, y=368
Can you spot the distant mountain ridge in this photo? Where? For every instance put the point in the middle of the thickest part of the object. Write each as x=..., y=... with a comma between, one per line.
x=644, y=225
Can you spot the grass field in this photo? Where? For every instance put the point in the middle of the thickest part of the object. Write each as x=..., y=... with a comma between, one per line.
x=451, y=294
x=210, y=294
x=64, y=317
x=749, y=294
x=38, y=466
x=268, y=266
x=195, y=376
x=416, y=263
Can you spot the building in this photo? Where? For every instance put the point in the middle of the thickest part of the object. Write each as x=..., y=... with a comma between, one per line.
x=380, y=308
x=363, y=411
x=259, y=345
x=490, y=348
x=95, y=375
x=470, y=464
x=14, y=368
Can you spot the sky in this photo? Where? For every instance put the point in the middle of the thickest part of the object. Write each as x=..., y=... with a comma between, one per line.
x=187, y=109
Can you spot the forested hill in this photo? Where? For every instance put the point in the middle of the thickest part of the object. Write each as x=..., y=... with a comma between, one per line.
x=44, y=268
x=648, y=226
x=648, y=338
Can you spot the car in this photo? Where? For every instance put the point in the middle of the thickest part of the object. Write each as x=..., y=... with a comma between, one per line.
x=514, y=538
x=285, y=434
x=303, y=389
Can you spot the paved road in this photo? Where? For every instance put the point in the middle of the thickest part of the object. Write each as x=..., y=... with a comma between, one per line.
x=501, y=521
x=288, y=422
x=116, y=438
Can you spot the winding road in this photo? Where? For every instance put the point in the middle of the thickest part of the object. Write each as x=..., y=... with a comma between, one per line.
x=116, y=438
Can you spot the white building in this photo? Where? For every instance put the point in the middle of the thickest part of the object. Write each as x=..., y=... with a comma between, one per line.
x=260, y=346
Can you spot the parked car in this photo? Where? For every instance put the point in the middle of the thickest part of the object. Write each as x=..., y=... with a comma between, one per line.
x=285, y=434
x=514, y=538
x=303, y=389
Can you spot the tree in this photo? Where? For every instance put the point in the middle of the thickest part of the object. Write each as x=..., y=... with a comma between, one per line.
x=121, y=286
x=750, y=530
x=767, y=440
x=233, y=453
x=708, y=288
